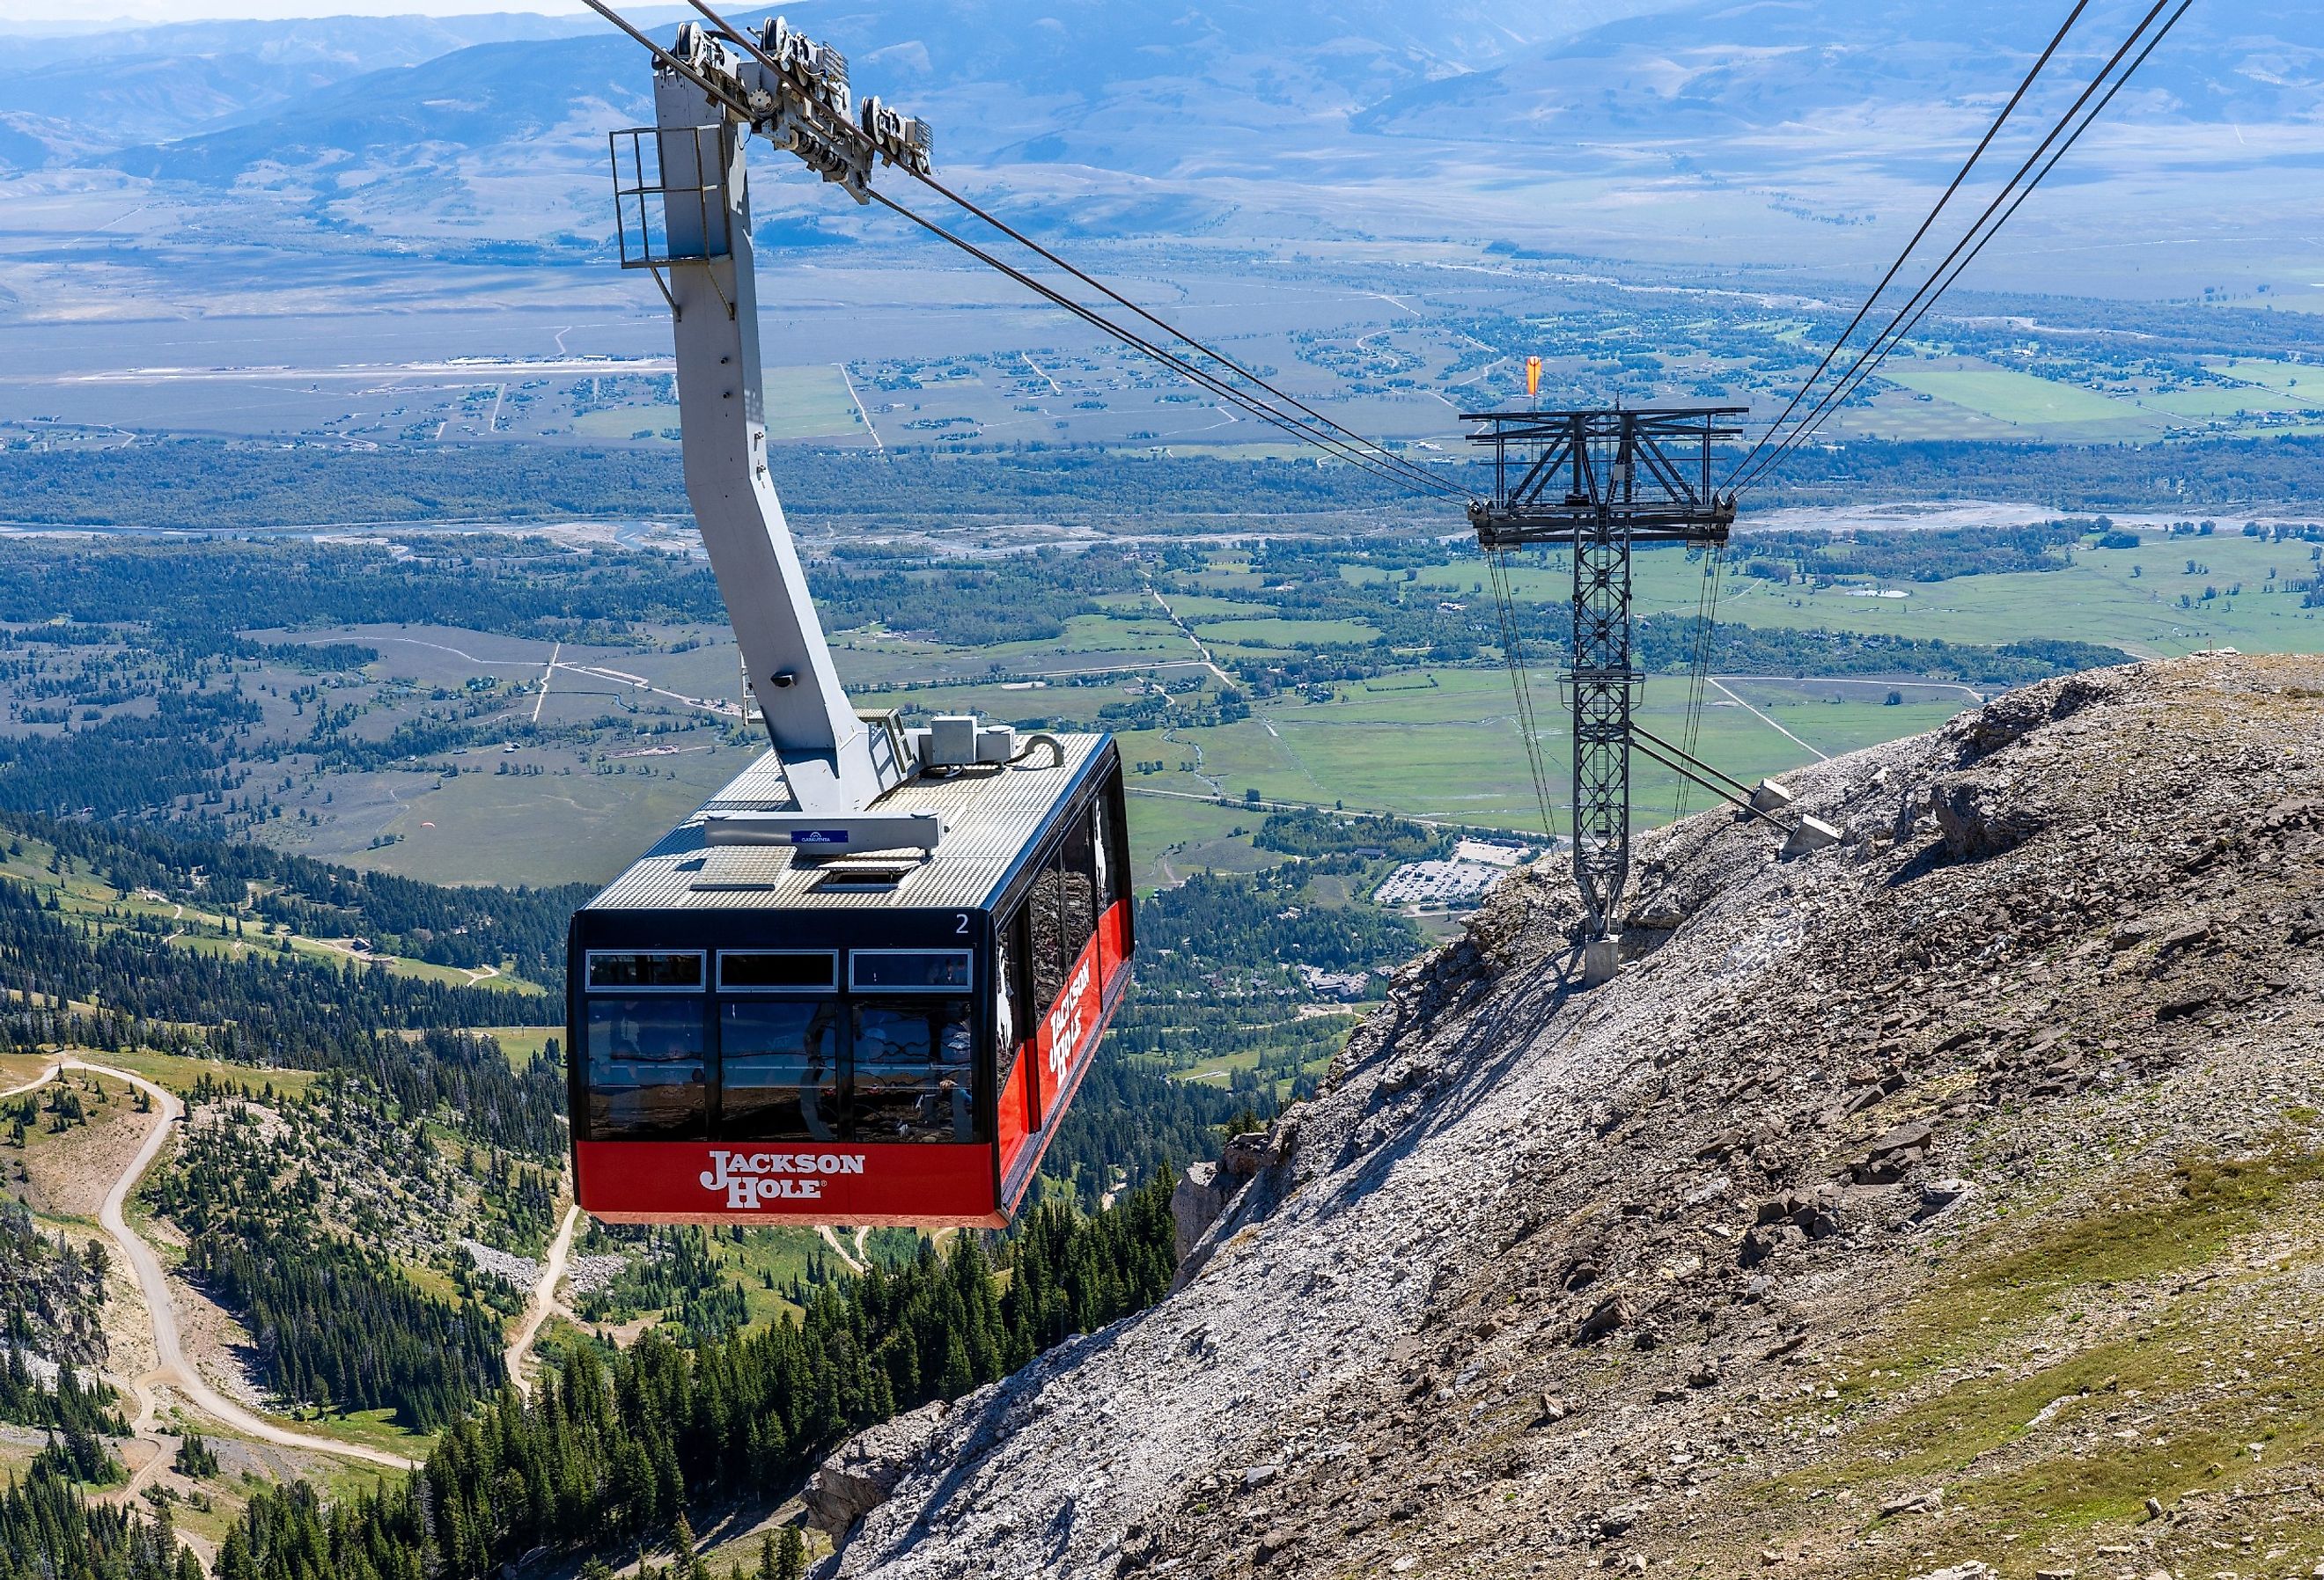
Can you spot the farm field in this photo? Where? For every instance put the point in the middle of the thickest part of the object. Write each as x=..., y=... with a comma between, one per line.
x=1434, y=741
x=2123, y=597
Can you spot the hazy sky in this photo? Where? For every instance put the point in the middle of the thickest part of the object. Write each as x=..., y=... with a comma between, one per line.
x=63, y=14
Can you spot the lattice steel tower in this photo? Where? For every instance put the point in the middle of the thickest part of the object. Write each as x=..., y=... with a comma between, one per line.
x=1595, y=483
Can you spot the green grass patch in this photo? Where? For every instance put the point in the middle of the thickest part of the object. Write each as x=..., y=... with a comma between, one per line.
x=2146, y=1231
x=2303, y=385
x=521, y=1045
x=2024, y=401
x=1278, y=634
x=176, y=1073
x=2211, y=1203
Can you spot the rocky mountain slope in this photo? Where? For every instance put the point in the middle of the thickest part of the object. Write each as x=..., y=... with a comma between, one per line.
x=1946, y=1200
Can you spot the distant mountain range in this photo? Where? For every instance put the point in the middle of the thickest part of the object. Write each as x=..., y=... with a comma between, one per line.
x=1342, y=117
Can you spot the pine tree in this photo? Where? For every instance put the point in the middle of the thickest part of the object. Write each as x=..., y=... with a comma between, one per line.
x=791, y=1555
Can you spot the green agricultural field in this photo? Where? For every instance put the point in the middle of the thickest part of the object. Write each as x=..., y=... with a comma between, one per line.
x=1171, y=835
x=1193, y=608
x=2098, y=599
x=1452, y=752
x=1900, y=414
x=1090, y=640
x=2038, y=406
x=2301, y=383
x=2210, y=402
x=809, y=402
x=802, y=403
x=1272, y=635
x=546, y=829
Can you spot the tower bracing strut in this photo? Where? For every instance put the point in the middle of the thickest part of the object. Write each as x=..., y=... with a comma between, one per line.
x=1596, y=483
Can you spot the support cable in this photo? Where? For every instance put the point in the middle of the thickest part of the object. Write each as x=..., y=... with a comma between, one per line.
x=1857, y=381
x=1171, y=330
x=1895, y=268
x=1892, y=336
x=1706, y=624
x=1513, y=655
x=1354, y=456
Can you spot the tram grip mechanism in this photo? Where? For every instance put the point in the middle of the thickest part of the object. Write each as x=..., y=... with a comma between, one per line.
x=823, y=834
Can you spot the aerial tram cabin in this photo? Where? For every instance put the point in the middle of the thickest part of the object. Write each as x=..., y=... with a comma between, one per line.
x=862, y=984
x=764, y=1034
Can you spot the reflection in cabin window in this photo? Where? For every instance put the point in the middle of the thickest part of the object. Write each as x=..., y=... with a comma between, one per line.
x=646, y=1075
x=1079, y=891
x=651, y=970
x=908, y=970
x=1048, y=953
x=915, y=1078
x=778, y=970
x=779, y=1064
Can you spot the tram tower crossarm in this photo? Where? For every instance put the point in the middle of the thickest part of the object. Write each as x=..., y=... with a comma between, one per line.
x=1644, y=472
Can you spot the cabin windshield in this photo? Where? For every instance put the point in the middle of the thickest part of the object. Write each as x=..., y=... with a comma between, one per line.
x=778, y=1051
x=647, y=1068
x=778, y=1063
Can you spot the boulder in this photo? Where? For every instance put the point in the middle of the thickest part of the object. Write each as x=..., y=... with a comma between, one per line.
x=863, y=1471
x=1892, y=1153
x=1611, y=1315
x=1979, y=819
x=1930, y=1501
x=1938, y=1195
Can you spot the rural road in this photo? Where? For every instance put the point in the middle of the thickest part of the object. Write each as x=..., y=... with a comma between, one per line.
x=544, y=1300
x=1771, y=724
x=1187, y=630
x=840, y=1247
x=169, y=1364
x=34, y=1085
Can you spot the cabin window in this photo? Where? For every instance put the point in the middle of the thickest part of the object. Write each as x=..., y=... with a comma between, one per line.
x=1012, y=1020
x=1108, y=868
x=778, y=1063
x=909, y=970
x=1046, y=959
x=646, y=1070
x=915, y=1076
x=646, y=970
x=777, y=971
x=1079, y=892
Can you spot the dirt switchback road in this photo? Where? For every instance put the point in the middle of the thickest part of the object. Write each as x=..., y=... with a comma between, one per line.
x=544, y=1301
x=170, y=1366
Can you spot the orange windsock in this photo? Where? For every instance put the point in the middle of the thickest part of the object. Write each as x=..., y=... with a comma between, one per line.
x=1533, y=377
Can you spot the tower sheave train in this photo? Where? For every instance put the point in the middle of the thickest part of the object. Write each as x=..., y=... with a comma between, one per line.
x=862, y=984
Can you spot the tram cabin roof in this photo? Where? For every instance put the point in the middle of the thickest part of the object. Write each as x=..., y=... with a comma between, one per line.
x=992, y=814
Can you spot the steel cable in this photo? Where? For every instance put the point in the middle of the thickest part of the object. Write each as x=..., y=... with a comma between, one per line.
x=1171, y=330
x=1746, y=476
x=1291, y=425
x=1895, y=268
x=1957, y=270
x=1513, y=656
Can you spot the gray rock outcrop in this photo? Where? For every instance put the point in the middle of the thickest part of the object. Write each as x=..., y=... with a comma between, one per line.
x=858, y=1476
x=1701, y=1270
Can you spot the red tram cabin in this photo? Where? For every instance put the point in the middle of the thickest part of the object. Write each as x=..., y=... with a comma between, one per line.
x=758, y=1035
